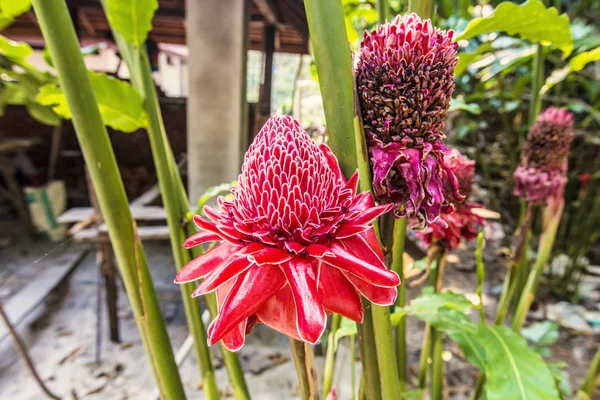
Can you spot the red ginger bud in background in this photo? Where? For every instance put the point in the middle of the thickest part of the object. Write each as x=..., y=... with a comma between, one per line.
x=462, y=222
x=296, y=242
x=405, y=82
x=542, y=173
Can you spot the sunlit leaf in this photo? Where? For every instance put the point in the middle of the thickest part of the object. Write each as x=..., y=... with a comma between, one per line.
x=514, y=371
x=347, y=328
x=471, y=348
x=14, y=51
x=120, y=104
x=531, y=21
x=428, y=307
x=214, y=191
x=9, y=9
x=576, y=63
x=461, y=104
x=132, y=18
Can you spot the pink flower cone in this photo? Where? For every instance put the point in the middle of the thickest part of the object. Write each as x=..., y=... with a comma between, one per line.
x=405, y=83
x=542, y=173
x=461, y=222
x=296, y=243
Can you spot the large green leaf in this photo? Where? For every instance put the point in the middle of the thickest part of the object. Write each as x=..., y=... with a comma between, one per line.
x=530, y=20
x=471, y=347
x=14, y=51
x=120, y=104
x=427, y=306
x=513, y=370
x=132, y=18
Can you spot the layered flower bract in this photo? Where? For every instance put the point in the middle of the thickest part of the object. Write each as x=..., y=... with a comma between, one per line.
x=542, y=173
x=296, y=242
x=405, y=83
x=461, y=222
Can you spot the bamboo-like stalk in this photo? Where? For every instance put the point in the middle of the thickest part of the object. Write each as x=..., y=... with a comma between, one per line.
x=400, y=225
x=437, y=366
x=383, y=11
x=353, y=367
x=141, y=77
x=368, y=355
x=59, y=34
x=592, y=377
x=305, y=369
x=552, y=216
x=330, y=356
x=424, y=8
x=537, y=80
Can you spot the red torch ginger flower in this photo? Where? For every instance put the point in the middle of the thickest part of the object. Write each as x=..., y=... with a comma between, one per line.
x=461, y=222
x=296, y=242
x=542, y=173
x=405, y=83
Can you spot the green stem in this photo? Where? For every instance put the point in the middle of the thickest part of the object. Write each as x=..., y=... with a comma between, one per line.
x=437, y=366
x=537, y=79
x=353, y=367
x=386, y=358
x=368, y=354
x=400, y=225
x=478, y=390
x=519, y=263
x=436, y=278
x=305, y=369
x=59, y=33
x=592, y=377
x=330, y=356
x=383, y=11
x=552, y=216
x=424, y=8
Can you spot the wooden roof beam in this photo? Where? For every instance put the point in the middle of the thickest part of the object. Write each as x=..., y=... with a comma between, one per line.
x=268, y=9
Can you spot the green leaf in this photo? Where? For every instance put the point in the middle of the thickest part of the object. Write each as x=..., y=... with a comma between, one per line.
x=132, y=18
x=514, y=371
x=14, y=51
x=120, y=104
x=531, y=21
x=214, y=191
x=347, y=328
x=576, y=63
x=432, y=302
x=460, y=104
x=543, y=333
x=42, y=114
x=471, y=347
x=14, y=8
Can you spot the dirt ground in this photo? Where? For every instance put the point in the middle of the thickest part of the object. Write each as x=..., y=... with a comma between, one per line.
x=61, y=334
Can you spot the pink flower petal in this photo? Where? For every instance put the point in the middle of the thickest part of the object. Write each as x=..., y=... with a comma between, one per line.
x=199, y=238
x=250, y=291
x=310, y=315
x=201, y=266
x=225, y=272
x=383, y=296
x=270, y=255
x=338, y=294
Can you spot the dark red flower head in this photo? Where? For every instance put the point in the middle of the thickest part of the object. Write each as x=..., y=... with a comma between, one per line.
x=543, y=170
x=297, y=242
x=405, y=83
x=460, y=222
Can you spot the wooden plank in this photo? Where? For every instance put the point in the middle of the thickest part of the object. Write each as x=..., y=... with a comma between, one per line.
x=27, y=299
x=148, y=213
x=99, y=234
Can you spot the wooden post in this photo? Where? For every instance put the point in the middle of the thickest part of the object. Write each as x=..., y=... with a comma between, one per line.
x=264, y=98
x=215, y=37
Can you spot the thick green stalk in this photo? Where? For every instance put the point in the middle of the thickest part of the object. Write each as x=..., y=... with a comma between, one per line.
x=59, y=33
x=592, y=377
x=164, y=171
x=141, y=76
x=424, y=8
x=437, y=366
x=400, y=225
x=552, y=216
x=305, y=369
x=537, y=79
x=330, y=356
x=368, y=354
x=383, y=11
x=334, y=65
x=431, y=337
x=386, y=358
